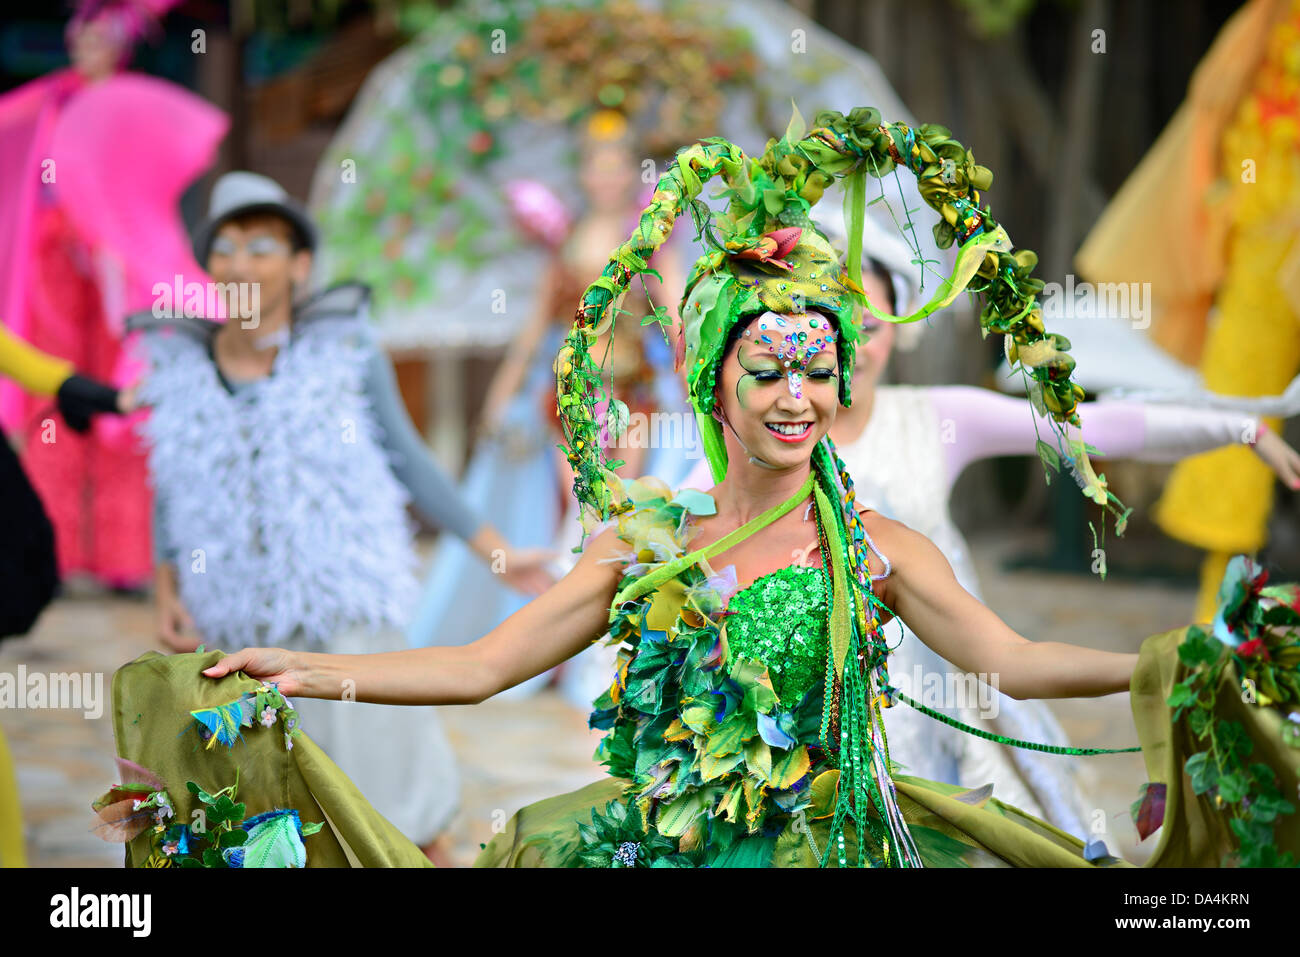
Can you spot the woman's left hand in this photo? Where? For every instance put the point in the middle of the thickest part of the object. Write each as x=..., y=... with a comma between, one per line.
x=1280, y=457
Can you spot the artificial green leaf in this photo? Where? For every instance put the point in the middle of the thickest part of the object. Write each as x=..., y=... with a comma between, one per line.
x=825, y=788
x=673, y=819
x=1199, y=648
x=1203, y=771
x=712, y=767
x=729, y=806
x=201, y=794
x=695, y=502
x=729, y=737
x=1232, y=787
x=790, y=768
x=758, y=758
x=698, y=716
x=1181, y=695
x=1051, y=459
x=759, y=698
x=1288, y=594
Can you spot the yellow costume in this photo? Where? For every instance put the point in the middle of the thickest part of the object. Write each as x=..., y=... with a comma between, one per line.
x=1230, y=242
x=32, y=369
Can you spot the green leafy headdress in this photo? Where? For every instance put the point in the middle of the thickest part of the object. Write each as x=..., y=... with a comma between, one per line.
x=788, y=270
x=764, y=253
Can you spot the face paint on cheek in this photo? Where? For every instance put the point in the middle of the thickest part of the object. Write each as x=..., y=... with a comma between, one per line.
x=745, y=388
x=748, y=383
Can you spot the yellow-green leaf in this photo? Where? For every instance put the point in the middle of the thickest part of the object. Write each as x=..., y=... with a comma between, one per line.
x=790, y=768
x=675, y=818
x=729, y=737
x=758, y=758
x=698, y=716
x=712, y=767
x=729, y=806
x=666, y=605
x=677, y=731
x=823, y=792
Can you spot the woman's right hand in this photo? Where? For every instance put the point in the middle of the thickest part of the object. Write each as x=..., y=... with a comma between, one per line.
x=284, y=669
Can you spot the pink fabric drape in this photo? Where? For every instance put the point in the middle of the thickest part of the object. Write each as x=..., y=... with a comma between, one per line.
x=94, y=174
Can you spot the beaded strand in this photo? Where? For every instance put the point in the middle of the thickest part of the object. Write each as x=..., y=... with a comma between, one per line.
x=864, y=778
x=1013, y=742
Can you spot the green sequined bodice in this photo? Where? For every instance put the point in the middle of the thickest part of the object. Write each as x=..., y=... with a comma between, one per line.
x=780, y=619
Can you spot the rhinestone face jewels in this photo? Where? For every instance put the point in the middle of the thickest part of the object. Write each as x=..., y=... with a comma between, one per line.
x=804, y=337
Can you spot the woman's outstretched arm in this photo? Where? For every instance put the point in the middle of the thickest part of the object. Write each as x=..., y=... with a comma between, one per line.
x=555, y=626
x=923, y=592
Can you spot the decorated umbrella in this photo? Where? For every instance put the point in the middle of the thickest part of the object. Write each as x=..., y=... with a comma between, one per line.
x=411, y=193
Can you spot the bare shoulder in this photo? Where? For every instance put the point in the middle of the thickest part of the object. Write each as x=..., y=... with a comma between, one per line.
x=901, y=544
x=887, y=533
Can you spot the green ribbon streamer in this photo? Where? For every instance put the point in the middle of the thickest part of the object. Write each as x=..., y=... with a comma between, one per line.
x=968, y=261
x=839, y=621
x=669, y=570
x=715, y=449
x=855, y=212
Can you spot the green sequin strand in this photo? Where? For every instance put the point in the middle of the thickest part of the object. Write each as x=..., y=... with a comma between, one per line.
x=1012, y=742
x=858, y=791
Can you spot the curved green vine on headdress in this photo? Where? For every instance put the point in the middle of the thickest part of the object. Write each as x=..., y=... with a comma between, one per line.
x=743, y=272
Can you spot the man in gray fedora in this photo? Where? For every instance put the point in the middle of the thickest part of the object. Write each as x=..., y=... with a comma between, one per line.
x=283, y=460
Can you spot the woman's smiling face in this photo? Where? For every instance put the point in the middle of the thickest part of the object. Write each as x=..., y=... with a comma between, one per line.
x=778, y=386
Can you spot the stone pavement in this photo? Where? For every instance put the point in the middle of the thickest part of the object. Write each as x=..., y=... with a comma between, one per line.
x=520, y=750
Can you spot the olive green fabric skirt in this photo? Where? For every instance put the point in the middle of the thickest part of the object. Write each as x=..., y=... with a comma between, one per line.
x=952, y=827
x=152, y=700
x=956, y=827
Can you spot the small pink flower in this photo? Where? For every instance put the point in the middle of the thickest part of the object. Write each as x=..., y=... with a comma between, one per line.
x=268, y=716
x=538, y=210
x=770, y=248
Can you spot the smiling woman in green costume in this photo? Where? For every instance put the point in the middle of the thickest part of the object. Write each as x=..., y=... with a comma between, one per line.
x=744, y=716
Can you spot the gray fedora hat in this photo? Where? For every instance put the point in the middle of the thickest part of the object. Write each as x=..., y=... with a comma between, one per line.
x=238, y=193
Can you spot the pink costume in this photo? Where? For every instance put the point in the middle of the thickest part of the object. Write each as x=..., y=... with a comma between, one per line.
x=94, y=173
